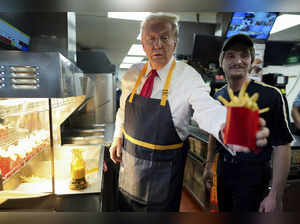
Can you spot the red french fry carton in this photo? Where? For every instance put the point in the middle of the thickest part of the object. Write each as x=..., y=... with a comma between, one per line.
x=241, y=127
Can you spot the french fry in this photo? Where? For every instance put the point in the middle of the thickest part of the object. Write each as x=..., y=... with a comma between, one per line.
x=231, y=95
x=243, y=99
x=254, y=97
x=255, y=107
x=223, y=100
x=236, y=101
x=243, y=89
x=249, y=104
x=264, y=110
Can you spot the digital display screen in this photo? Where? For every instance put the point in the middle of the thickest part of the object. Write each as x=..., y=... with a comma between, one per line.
x=257, y=25
x=14, y=37
x=206, y=49
x=278, y=52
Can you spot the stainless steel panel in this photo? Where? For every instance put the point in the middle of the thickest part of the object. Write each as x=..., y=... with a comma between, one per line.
x=23, y=68
x=24, y=81
x=84, y=132
x=88, y=140
x=55, y=75
x=100, y=103
x=24, y=75
x=83, y=136
x=24, y=86
x=104, y=98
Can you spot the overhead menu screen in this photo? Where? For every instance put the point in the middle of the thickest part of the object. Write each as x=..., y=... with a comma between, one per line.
x=255, y=24
x=14, y=37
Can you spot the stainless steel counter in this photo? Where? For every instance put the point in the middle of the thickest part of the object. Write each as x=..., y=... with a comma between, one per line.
x=109, y=133
x=97, y=134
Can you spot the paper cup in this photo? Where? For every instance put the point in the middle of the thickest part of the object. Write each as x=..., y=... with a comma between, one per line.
x=241, y=127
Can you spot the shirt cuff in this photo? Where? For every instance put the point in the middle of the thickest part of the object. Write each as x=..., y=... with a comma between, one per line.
x=118, y=132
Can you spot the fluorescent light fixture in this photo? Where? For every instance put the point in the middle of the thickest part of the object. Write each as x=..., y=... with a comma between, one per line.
x=136, y=49
x=123, y=65
x=129, y=59
x=285, y=21
x=139, y=16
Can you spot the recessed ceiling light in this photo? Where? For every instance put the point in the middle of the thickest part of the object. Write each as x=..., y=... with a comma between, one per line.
x=123, y=65
x=285, y=21
x=139, y=16
x=129, y=59
x=136, y=49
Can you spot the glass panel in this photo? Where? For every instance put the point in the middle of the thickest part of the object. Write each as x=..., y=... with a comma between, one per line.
x=25, y=147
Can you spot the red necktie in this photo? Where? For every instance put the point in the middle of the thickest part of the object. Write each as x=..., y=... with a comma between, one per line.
x=148, y=85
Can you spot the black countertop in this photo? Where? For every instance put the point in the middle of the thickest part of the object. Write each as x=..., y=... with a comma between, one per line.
x=60, y=203
x=198, y=133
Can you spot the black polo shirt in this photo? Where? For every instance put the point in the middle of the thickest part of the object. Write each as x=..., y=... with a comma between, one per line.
x=276, y=119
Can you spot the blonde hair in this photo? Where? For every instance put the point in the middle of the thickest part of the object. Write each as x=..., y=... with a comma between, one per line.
x=164, y=17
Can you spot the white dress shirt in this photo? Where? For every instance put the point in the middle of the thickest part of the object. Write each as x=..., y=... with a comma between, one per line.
x=187, y=90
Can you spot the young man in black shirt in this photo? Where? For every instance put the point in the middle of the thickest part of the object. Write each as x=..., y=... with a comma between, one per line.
x=243, y=178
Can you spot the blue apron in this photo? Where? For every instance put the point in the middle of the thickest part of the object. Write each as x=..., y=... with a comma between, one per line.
x=153, y=155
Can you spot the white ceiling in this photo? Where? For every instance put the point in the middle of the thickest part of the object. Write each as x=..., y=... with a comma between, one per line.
x=96, y=32
x=114, y=36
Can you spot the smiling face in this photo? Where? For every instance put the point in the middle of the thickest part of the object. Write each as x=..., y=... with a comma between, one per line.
x=159, y=43
x=236, y=63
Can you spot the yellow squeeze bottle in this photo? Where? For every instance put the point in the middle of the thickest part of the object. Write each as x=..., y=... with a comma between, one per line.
x=78, y=180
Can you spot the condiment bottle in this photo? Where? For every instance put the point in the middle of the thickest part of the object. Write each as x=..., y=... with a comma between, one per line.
x=78, y=180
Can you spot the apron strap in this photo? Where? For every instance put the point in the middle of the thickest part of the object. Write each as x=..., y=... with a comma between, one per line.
x=141, y=75
x=165, y=90
x=151, y=146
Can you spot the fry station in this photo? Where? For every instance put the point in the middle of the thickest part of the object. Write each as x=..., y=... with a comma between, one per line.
x=62, y=76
